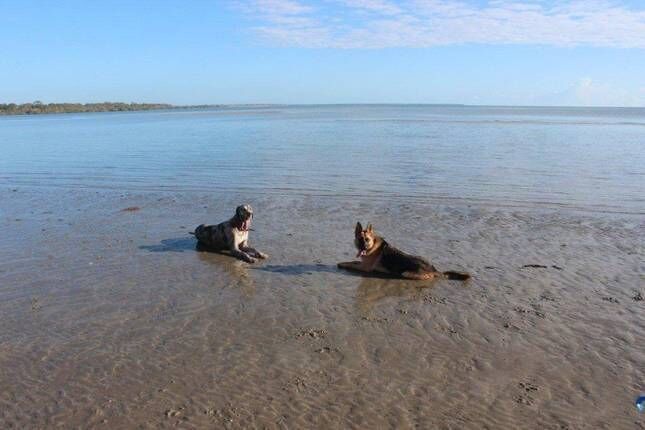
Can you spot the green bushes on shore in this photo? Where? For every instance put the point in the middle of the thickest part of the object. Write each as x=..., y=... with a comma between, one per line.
x=41, y=108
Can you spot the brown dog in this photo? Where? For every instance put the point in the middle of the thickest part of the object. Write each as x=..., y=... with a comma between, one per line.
x=379, y=256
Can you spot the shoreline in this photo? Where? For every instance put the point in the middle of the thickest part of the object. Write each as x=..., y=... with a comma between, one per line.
x=426, y=201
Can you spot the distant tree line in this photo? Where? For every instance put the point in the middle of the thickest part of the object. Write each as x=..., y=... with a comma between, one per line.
x=38, y=107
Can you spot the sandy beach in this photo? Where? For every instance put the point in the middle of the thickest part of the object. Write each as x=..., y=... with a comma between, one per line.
x=112, y=319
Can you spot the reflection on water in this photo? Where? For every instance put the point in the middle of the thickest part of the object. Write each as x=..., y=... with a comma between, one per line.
x=371, y=291
x=236, y=272
x=582, y=158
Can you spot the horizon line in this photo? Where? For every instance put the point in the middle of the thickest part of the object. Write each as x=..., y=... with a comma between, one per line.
x=260, y=104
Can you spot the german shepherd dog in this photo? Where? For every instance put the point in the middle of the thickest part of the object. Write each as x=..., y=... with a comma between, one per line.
x=231, y=235
x=379, y=256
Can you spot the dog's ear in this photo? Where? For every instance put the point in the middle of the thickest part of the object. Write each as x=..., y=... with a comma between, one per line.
x=359, y=229
x=369, y=228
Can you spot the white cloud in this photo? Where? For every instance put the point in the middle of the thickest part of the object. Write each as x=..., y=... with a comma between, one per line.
x=587, y=91
x=282, y=7
x=377, y=6
x=426, y=23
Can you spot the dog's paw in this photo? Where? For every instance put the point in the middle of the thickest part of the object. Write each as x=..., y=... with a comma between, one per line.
x=250, y=260
x=262, y=255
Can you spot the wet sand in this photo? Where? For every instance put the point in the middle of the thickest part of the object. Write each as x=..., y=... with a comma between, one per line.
x=112, y=319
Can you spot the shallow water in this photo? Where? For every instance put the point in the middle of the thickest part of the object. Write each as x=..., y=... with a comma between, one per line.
x=113, y=319
x=579, y=158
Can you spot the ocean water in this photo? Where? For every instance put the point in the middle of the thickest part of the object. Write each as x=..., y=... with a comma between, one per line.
x=590, y=159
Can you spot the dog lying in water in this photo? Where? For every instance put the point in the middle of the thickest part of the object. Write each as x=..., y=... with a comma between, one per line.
x=379, y=256
x=231, y=235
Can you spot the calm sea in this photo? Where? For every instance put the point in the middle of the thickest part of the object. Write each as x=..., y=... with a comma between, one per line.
x=590, y=159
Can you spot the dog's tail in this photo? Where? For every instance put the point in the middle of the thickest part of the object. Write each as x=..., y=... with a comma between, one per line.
x=197, y=230
x=457, y=276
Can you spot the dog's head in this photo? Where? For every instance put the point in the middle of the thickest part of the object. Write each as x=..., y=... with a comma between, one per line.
x=364, y=239
x=243, y=216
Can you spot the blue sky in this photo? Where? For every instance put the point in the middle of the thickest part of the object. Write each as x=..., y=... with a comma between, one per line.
x=524, y=52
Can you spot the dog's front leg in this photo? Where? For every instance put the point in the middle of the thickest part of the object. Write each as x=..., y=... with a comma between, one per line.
x=242, y=255
x=353, y=265
x=254, y=252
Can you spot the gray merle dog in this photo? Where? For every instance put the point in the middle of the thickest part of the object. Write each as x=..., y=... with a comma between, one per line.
x=231, y=235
